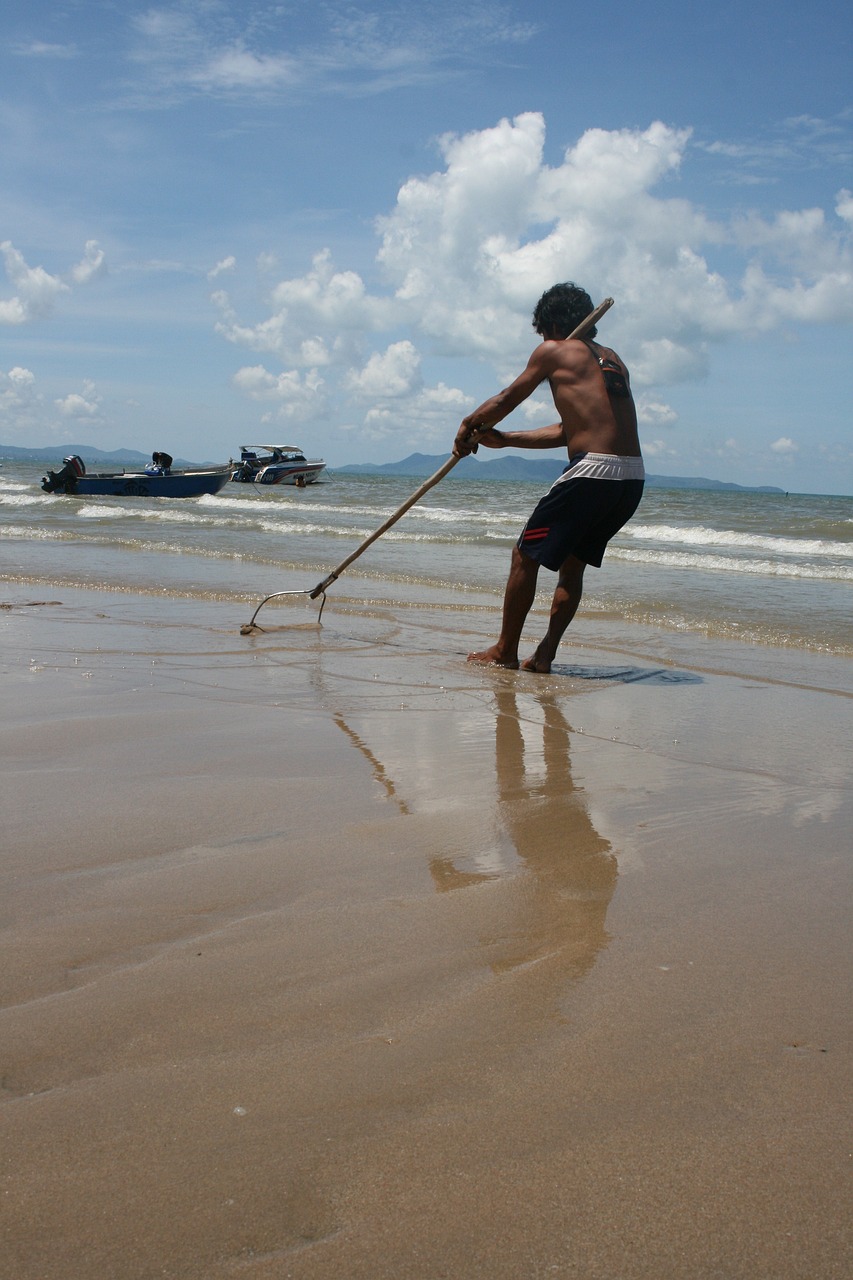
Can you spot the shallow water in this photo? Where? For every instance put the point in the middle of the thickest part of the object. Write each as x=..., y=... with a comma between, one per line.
x=769, y=569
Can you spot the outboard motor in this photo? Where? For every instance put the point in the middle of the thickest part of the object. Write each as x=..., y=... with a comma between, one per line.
x=248, y=466
x=65, y=481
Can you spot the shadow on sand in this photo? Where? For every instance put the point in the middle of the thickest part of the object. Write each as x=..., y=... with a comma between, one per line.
x=626, y=674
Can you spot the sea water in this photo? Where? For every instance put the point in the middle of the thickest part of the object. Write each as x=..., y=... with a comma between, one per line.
x=768, y=569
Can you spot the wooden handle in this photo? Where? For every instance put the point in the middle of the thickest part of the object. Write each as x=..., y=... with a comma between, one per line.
x=583, y=327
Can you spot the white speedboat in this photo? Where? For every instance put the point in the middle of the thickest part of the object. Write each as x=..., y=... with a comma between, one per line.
x=276, y=464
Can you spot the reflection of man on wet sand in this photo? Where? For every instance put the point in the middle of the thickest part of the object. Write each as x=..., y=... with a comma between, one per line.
x=572, y=873
x=596, y=494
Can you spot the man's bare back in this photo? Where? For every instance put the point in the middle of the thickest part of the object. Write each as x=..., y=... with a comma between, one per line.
x=591, y=419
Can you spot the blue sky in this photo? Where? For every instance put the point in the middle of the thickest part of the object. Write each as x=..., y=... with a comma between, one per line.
x=328, y=224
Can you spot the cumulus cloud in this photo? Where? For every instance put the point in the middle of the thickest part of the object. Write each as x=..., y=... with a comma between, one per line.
x=91, y=265
x=83, y=406
x=425, y=415
x=36, y=290
x=28, y=413
x=844, y=205
x=783, y=445
x=387, y=374
x=226, y=264
x=326, y=311
x=466, y=250
x=296, y=395
x=658, y=449
x=655, y=413
x=18, y=396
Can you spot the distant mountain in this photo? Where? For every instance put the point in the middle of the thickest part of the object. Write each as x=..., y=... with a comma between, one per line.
x=56, y=452
x=538, y=470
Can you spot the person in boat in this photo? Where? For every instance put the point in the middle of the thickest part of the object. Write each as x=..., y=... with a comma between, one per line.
x=160, y=464
x=598, y=491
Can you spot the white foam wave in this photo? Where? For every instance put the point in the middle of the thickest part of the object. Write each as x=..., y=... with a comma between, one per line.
x=735, y=564
x=95, y=512
x=701, y=536
x=37, y=533
x=21, y=498
x=165, y=515
x=427, y=514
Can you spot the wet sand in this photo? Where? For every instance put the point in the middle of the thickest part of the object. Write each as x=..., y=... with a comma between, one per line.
x=325, y=954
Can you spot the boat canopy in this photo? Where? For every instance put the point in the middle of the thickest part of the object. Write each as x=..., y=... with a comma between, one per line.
x=274, y=448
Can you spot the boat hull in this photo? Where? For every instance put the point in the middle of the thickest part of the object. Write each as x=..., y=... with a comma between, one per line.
x=137, y=484
x=298, y=474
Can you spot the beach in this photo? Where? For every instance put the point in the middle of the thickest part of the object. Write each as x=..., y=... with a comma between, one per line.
x=327, y=954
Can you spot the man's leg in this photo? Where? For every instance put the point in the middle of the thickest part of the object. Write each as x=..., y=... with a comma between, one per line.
x=564, y=606
x=518, y=598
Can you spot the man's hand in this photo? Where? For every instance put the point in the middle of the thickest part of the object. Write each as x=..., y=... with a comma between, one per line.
x=469, y=437
x=464, y=444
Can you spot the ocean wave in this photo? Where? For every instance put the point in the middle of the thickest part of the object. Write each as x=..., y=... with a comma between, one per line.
x=424, y=513
x=734, y=564
x=702, y=536
x=20, y=496
x=29, y=533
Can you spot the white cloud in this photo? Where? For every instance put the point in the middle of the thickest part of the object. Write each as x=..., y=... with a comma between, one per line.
x=844, y=205
x=389, y=374
x=658, y=449
x=238, y=68
x=296, y=394
x=227, y=264
x=355, y=51
x=18, y=396
x=425, y=415
x=41, y=49
x=36, y=290
x=654, y=413
x=326, y=309
x=85, y=406
x=784, y=446
x=466, y=250
x=24, y=410
x=91, y=265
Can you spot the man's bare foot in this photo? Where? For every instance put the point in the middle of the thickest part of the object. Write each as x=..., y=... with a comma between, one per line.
x=538, y=662
x=494, y=657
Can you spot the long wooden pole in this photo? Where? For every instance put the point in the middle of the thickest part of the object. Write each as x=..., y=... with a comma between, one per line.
x=583, y=327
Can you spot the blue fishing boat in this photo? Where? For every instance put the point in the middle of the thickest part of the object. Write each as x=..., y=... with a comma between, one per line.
x=156, y=480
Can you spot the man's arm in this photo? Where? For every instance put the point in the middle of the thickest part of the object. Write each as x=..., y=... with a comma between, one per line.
x=552, y=437
x=497, y=407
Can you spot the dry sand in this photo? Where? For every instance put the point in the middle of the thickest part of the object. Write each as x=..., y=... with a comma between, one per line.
x=325, y=955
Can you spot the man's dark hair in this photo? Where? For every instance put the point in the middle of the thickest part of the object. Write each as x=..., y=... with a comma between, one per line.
x=561, y=309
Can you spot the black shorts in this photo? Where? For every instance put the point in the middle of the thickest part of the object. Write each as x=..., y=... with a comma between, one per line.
x=594, y=497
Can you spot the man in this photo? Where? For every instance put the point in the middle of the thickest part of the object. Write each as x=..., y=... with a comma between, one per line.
x=598, y=491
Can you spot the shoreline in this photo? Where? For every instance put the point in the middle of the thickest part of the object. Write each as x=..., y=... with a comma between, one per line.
x=697, y=566
x=328, y=954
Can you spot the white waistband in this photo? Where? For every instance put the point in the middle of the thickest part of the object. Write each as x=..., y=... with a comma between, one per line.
x=604, y=466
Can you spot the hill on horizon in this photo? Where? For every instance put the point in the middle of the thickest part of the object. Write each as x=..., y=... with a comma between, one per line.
x=538, y=470
x=89, y=454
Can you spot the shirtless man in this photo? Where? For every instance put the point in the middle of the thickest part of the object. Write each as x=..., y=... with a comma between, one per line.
x=598, y=491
